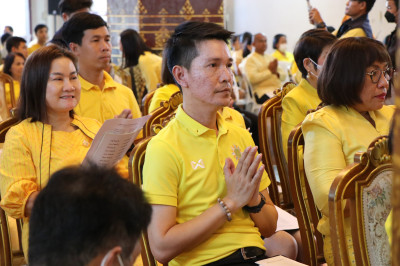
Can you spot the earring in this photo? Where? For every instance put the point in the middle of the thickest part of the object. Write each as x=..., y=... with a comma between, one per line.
x=308, y=75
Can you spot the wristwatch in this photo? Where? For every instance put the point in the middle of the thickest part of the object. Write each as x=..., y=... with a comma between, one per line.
x=321, y=25
x=256, y=209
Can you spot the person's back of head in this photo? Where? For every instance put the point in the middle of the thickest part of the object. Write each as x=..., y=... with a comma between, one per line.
x=69, y=7
x=85, y=214
x=4, y=37
x=246, y=39
x=133, y=47
x=14, y=41
x=310, y=45
x=74, y=28
x=181, y=46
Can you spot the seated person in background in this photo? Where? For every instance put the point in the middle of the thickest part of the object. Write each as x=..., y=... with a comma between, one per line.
x=41, y=38
x=69, y=8
x=310, y=53
x=3, y=50
x=102, y=98
x=87, y=216
x=208, y=191
x=353, y=84
x=262, y=70
x=16, y=45
x=49, y=137
x=136, y=52
x=280, y=45
x=246, y=41
x=13, y=66
x=356, y=26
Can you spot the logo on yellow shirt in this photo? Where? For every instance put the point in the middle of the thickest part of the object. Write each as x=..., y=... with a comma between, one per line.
x=236, y=152
x=195, y=165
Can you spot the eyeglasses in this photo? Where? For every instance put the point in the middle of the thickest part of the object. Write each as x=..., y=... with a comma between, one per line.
x=376, y=74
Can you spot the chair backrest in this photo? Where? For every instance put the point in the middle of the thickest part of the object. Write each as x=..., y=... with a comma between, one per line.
x=146, y=101
x=156, y=121
x=136, y=162
x=307, y=212
x=5, y=125
x=250, y=103
x=367, y=187
x=4, y=108
x=270, y=142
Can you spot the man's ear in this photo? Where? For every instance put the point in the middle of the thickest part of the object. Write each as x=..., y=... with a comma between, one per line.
x=180, y=74
x=111, y=257
x=64, y=16
x=13, y=49
x=74, y=47
x=363, y=6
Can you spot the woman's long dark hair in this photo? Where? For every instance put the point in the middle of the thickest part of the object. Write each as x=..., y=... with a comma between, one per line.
x=133, y=47
x=32, y=99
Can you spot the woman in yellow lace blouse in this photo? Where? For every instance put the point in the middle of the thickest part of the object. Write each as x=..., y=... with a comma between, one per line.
x=13, y=66
x=49, y=136
x=353, y=84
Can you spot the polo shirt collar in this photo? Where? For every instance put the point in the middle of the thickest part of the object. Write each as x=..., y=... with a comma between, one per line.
x=194, y=127
x=109, y=83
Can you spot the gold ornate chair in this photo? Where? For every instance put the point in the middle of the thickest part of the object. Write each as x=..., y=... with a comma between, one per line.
x=155, y=122
x=366, y=187
x=307, y=212
x=4, y=108
x=270, y=141
x=146, y=102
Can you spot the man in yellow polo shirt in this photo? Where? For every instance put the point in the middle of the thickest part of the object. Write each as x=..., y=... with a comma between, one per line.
x=101, y=97
x=202, y=174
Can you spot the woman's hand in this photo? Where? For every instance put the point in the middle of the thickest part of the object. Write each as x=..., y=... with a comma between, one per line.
x=29, y=203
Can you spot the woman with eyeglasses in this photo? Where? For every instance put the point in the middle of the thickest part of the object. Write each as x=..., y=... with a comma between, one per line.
x=352, y=84
x=310, y=53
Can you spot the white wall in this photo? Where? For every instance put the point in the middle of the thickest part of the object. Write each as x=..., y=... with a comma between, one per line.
x=290, y=17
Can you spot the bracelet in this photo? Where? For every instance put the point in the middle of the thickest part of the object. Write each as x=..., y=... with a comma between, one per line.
x=226, y=209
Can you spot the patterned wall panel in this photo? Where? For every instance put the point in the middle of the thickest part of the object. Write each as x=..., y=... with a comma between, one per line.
x=155, y=20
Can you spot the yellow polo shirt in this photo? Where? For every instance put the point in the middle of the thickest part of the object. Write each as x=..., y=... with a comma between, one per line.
x=162, y=94
x=184, y=168
x=105, y=104
x=233, y=116
x=295, y=106
x=357, y=32
x=34, y=48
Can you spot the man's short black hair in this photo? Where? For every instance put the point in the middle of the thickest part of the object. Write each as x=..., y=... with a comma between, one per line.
x=310, y=45
x=181, y=46
x=39, y=27
x=84, y=212
x=71, y=6
x=370, y=4
x=73, y=29
x=13, y=41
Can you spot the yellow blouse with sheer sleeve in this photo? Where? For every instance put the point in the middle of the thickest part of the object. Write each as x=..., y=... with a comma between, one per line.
x=333, y=135
x=31, y=153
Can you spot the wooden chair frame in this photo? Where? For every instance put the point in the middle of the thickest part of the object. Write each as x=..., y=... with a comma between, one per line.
x=4, y=108
x=348, y=186
x=307, y=212
x=155, y=122
x=270, y=142
x=136, y=162
x=146, y=101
